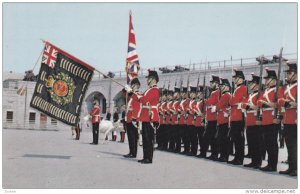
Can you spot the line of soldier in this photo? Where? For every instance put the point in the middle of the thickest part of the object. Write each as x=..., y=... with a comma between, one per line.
x=221, y=119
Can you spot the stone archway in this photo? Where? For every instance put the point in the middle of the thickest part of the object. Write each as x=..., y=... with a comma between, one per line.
x=99, y=97
x=120, y=100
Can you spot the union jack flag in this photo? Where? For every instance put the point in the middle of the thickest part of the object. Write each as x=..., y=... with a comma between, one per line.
x=49, y=56
x=132, y=62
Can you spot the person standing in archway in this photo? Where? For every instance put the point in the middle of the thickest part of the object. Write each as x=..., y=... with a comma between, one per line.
x=107, y=117
x=95, y=114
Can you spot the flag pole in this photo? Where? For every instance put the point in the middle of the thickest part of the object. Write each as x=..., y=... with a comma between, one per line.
x=110, y=78
x=126, y=63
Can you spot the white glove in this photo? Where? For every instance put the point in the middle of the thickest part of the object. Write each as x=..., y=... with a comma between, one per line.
x=128, y=88
x=213, y=109
x=226, y=114
x=239, y=106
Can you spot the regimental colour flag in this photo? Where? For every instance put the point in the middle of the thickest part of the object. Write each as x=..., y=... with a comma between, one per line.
x=132, y=61
x=62, y=83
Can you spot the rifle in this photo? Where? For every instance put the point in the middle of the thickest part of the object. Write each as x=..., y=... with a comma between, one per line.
x=232, y=82
x=276, y=112
x=188, y=81
x=198, y=80
x=260, y=87
x=204, y=89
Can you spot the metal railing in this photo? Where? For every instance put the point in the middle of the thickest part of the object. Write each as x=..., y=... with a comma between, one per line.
x=201, y=66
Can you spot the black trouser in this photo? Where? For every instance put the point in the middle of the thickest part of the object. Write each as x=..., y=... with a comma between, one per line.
x=238, y=138
x=177, y=131
x=223, y=140
x=148, y=137
x=132, y=135
x=254, y=141
x=200, y=131
x=181, y=130
x=159, y=133
x=95, y=132
x=270, y=133
x=171, y=137
x=290, y=135
x=263, y=146
x=193, y=139
x=249, y=145
x=209, y=138
x=186, y=138
x=166, y=137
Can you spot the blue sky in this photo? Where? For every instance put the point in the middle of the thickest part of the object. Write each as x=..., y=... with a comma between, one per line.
x=166, y=33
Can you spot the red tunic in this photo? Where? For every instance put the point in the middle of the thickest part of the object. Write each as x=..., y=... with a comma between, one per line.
x=210, y=102
x=191, y=112
x=161, y=110
x=250, y=114
x=95, y=113
x=183, y=110
x=149, y=101
x=290, y=94
x=168, y=112
x=222, y=108
x=174, y=109
x=200, y=115
x=239, y=95
x=133, y=109
x=267, y=113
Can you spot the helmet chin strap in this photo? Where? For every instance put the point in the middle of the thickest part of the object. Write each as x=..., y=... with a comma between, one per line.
x=152, y=82
x=269, y=82
x=293, y=77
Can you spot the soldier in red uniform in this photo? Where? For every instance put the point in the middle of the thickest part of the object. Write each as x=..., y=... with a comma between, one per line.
x=222, y=108
x=200, y=117
x=289, y=102
x=183, y=106
x=175, y=127
x=170, y=134
x=237, y=123
x=148, y=115
x=211, y=119
x=161, y=132
x=95, y=114
x=249, y=106
x=269, y=128
x=191, y=129
x=133, y=108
